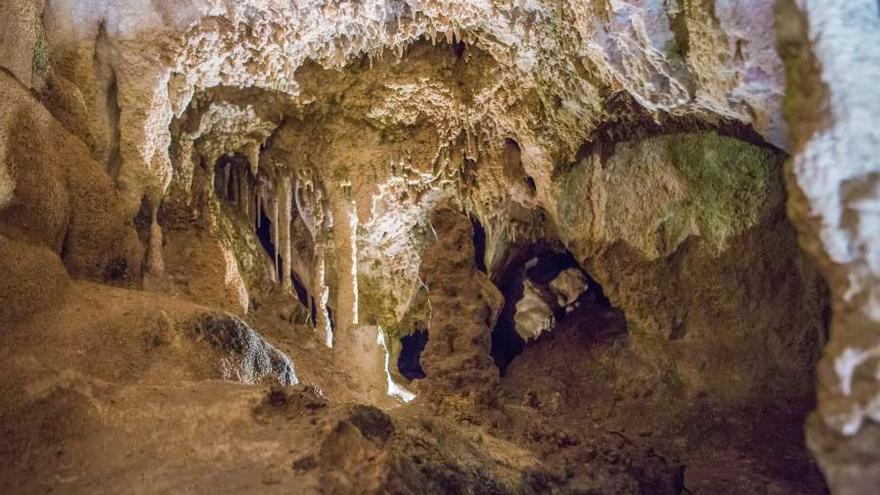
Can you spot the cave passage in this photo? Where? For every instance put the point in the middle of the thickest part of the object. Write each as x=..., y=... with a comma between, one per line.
x=409, y=362
x=538, y=281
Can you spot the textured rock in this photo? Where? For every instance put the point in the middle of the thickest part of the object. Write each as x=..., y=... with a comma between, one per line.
x=59, y=195
x=464, y=306
x=665, y=56
x=247, y=358
x=833, y=178
x=34, y=280
x=142, y=69
x=533, y=315
x=686, y=231
x=22, y=40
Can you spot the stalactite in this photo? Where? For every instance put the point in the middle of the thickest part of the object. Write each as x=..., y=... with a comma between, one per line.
x=227, y=167
x=323, y=294
x=306, y=200
x=285, y=201
x=243, y=193
x=353, y=218
x=155, y=263
x=234, y=186
x=253, y=155
x=247, y=200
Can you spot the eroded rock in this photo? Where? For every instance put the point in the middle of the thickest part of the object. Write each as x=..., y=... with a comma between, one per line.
x=245, y=356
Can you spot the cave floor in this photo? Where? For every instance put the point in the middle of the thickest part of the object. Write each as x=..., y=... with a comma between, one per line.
x=759, y=449
x=106, y=391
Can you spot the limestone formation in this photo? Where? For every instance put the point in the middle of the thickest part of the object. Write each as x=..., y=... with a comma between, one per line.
x=605, y=246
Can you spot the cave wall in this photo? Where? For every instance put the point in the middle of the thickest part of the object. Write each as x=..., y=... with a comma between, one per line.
x=687, y=234
x=831, y=55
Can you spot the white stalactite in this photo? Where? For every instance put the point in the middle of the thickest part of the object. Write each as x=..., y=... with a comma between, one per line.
x=155, y=263
x=323, y=296
x=283, y=247
x=244, y=196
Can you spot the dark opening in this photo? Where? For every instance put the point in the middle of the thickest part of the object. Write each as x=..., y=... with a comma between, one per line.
x=409, y=363
x=540, y=264
x=143, y=221
x=220, y=171
x=301, y=293
x=458, y=49
x=330, y=319
x=232, y=188
x=264, y=233
x=530, y=183
x=506, y=343
x=479, y=244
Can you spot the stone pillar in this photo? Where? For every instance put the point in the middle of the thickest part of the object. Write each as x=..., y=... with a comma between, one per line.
x=464, y=307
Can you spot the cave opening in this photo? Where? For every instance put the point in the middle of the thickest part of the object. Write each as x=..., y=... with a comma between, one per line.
x=544, y=287
x=409, y=362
